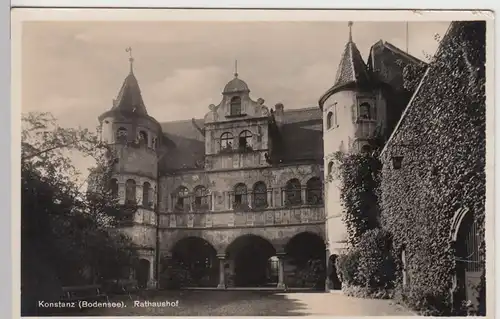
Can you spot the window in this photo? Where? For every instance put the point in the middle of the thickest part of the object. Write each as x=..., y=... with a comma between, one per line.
x=245, y=141
x=329, y=120
x=154, y=142
x=293, y=193
x=201, y=198
x=366, y=148
x=235, y=106
x=143, y=138
x=121, y=134
x=226, y=141
x=113, y=187
x=259, y=195
x=240, y=195
x=146, y=188
x=182, y=199
x=314, y=191
x=365, y=111
x=330, y=168
x=130, y=191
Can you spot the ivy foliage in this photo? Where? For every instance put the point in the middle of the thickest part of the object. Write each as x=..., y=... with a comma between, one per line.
x=442, y=141
x=359, y=182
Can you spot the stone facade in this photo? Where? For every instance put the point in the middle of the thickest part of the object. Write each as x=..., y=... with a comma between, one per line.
x=244, y=170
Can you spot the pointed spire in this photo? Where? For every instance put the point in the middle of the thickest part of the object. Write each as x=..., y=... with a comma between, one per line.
x=235, y=68
x=129, y=97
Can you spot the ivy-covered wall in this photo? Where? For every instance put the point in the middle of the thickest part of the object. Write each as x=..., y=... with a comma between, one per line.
x=441, y=139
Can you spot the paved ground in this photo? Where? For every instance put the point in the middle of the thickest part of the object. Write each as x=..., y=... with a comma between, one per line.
x=255, y=303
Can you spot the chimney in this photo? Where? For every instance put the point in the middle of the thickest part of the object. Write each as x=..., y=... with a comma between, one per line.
x=279, y=113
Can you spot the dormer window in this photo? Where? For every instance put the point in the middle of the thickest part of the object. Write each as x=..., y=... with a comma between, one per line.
x=235, y=106
x=245, y=141
x=143, y=138
x=226, y=142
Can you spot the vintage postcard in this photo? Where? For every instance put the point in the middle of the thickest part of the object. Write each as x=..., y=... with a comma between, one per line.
x=253, y=162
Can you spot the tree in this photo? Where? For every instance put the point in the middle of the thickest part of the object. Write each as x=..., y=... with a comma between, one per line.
x=72, y=232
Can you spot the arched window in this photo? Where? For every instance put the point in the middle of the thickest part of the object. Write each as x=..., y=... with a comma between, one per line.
x=259, y=195
x=236, y=105
x=240, y=195
x=182, y=199
x=245, y=140
x=226, y=141
x=146, y=188
x=154, y=142
x=329, y=120
x=201, y=198
x=130, y=191
x=314, y=191
x=293, y=193
x=365, y=111
x=121, y=134
x=113, y=187
x=143, y=138
x=330, y=168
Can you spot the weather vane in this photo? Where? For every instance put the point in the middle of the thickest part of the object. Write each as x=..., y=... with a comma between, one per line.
x=131, y=58
x=235, y=68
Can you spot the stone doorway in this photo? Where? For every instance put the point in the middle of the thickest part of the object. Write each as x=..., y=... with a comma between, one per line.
x=142, y=273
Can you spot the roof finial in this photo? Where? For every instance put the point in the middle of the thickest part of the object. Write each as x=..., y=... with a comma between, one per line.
x=131, y=59
x=235, y=68
x=350, y=30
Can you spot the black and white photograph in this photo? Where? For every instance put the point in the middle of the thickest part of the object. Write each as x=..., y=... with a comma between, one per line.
x=228, y=163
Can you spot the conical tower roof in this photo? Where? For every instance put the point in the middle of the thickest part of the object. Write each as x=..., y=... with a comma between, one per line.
x=352, y=69
x=129, y=97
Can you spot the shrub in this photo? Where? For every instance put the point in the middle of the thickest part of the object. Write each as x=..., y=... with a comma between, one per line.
x=376, y=268
x=367, y=292
x=347, y=267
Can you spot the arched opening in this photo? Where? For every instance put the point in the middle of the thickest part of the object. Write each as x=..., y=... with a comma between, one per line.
x=121, y=134
x=293, y=193
x=332, y=274
x=226, y=141
x=245, y=141
x=314, y=192
x=194, y=263
x=260, y=195
x=306, y=254
x=142, y=273
x=469, y=264
x=329, y=119
x=201, y=198
x=240, y=196
x=236, y=105
x=130, y=191
x=181, y=198
x=249, y=265
x=330, y=168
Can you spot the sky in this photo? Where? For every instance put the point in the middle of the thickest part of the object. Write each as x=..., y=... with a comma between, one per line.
x=74, y=69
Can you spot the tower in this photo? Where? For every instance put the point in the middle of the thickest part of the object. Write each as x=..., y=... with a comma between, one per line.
x=135, y=138
x=354, y=110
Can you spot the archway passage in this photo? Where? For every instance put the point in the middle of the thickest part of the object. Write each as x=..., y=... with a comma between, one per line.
x=306, y=255
x=142, y=273
x=195, y=263
x=469, y=264
x=332, y=274
x=249, y=256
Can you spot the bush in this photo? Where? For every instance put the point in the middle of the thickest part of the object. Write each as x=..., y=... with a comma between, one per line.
x=347, y=267
x=376, y=268
x=366, y=292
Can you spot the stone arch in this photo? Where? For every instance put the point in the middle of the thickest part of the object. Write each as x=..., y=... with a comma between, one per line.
x=196, y=259
x=248, y=258
x=306, y=252
x=293, y=192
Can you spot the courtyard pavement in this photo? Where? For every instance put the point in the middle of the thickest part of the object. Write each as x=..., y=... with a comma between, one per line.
x=253, y=303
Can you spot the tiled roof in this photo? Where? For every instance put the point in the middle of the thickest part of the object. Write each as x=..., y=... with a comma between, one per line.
x=129, y=98
x=301, y=132
x=236, y=85
x=352, y=68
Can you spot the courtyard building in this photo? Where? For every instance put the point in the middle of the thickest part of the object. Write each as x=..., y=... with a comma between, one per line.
x=244, y=197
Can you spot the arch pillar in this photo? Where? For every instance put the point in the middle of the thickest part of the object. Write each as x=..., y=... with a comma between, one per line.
x=222, y=271
x=281, y=270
